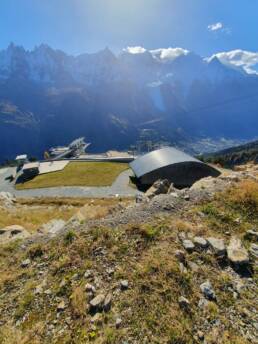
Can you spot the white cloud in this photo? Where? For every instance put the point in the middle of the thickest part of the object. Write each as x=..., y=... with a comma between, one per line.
x=135, y=50
x=168, y=54
x=240, y=58
x=215, y=27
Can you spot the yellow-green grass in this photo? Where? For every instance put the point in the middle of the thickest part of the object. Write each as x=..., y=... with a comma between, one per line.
x=33, y=213
x=78, y=174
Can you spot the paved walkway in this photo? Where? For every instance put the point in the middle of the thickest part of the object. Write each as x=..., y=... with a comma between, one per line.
x=120, y=187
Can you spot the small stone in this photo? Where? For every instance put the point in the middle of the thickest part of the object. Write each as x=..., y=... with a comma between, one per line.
x=187, y=198
x=202, y=303
x=97, y=302
x=124, y=285
x=200, y=242
x=90, y=288
x=208, y=291
x=254, y=251
x=97, y=319
x=62, y=283
x=193, y=266
x=38, y=290
x=200, y=335
x=239, y=286
x=188, y=245
x=48, y=292
x=251, y=235
x=184, y=303
x=180, y=255
x=107, y=302
x=181, y=236
x=88, y=274
x=237, y=254
x=25, y=263
x=61, y=306
x=182, y=268
x=118, y=322
x=217, y=246
x=110, y=271
x=174, y=194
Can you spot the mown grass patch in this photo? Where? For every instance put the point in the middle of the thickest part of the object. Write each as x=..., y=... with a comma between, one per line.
x=78, y=174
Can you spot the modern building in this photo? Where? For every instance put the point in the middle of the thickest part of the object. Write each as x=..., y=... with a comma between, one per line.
x=169, y=163
x=75, y=149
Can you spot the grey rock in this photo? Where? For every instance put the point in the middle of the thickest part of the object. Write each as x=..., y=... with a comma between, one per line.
x=200, y=335
x=53, y=227
x=207, y=290
x=90, y=288
x=186, y=197
x=174, y=194
x=118, y=322
x=88, y=274
x=13, y=232
x=7, y=199
x=217, y=245
x=60, y=306
x=159, y=187
x=237, y=254
x=97, y=319
x=141, y=198
x=107, y=302
x=200, y=242
x=124, y=285
x=25, y=263
x=188, y=245
x=254, y=251
x=180, y=255
x=184, y=302
x=97, y=302
x=202, y=303
x=181, y=236
x=193, y=266
x=251, y=235
x=38, y=290
x=182, y=268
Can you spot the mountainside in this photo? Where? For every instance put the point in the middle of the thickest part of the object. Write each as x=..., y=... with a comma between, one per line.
x=178, y=268
x=236, y=155
x=48, y=98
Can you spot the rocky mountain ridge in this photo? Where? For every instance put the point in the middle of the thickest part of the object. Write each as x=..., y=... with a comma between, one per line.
x=176, y=95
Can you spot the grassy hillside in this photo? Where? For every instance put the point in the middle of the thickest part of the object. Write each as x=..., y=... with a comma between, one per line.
x=48, y=300
x=235, y=155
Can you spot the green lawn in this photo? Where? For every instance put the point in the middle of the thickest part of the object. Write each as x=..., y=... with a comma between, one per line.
x=78, y=174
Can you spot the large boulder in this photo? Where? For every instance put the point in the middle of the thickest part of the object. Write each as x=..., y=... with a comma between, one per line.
x=7, y=199
x=11, y=233
x=53, y=227
x=159, y=187
x=237, y=254
x=217, y=246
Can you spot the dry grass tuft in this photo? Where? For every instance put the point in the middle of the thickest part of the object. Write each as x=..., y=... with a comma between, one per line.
x=78, y=302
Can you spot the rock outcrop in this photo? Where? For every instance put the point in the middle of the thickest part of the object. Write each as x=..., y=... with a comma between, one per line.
x=11, y=233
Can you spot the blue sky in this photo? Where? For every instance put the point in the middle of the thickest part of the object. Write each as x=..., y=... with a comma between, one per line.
x=77, y=26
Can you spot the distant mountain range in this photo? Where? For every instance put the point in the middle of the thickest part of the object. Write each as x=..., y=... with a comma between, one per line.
x=49, y=98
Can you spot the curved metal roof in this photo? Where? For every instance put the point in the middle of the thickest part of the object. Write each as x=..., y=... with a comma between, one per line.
x=159, y=158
